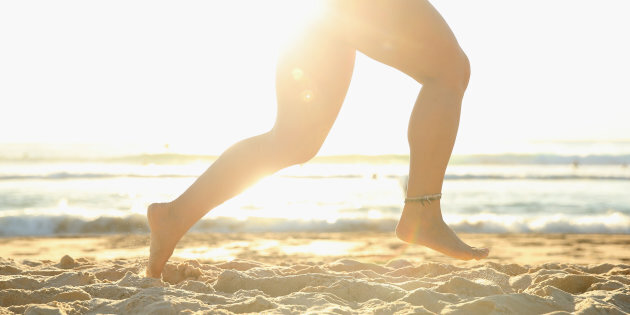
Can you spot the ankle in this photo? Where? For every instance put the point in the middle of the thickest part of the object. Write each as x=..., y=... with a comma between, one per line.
x=432, y=210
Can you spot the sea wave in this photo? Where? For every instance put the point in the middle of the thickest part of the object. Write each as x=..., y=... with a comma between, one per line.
x=68, y=175
x=534, y=176
x=611, y=222
x=466, y=159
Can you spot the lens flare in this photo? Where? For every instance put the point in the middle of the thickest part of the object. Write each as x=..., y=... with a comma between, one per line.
x=307, y=96
x=297, y=74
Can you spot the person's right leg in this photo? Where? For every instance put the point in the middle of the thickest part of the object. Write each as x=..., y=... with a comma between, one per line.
x=411, y=36
x=312, y=79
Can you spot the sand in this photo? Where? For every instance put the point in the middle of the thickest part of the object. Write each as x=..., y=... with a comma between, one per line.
x=346, y=273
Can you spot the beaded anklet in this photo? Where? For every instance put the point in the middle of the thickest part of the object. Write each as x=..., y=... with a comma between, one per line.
x=423, y=199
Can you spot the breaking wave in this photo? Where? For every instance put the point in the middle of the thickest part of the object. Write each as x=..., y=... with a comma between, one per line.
x=612, y=222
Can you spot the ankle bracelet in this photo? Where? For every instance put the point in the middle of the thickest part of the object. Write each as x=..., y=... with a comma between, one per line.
x=425, y=198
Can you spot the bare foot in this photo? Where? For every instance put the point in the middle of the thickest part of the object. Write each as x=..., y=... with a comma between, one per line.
x=425, y=226
x=164, y=237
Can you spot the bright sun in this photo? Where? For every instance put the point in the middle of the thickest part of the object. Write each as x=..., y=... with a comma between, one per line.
x=291, y=16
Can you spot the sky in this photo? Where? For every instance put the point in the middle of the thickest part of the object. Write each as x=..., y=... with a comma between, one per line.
x=199, y=75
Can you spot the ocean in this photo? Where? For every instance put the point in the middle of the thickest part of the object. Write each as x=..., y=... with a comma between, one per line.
x=500, y=193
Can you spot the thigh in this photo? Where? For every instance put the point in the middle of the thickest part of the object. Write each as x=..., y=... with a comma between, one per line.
x=312, y=78
x=409, y=35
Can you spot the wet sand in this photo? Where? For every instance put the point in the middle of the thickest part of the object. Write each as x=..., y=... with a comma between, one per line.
x=315, y=272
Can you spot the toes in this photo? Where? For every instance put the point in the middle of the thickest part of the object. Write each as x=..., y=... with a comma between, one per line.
x=480, y=253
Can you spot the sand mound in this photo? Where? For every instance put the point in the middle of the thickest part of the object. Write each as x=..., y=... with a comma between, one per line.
x=77, y=286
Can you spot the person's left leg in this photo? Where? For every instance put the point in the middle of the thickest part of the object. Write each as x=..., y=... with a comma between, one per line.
x=312, y=78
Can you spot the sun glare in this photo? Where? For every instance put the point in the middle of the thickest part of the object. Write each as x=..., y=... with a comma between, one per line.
x=292, y=17
x=304, y=11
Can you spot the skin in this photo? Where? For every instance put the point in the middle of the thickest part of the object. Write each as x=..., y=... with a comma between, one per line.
x=312, y=79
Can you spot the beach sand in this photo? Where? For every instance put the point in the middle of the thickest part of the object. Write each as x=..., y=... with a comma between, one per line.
x=346, y=273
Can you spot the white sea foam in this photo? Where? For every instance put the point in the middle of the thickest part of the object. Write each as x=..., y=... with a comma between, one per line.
x=612, y=222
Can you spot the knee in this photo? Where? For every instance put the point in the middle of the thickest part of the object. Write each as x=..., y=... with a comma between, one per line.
x=462, y=75
x=453, y=74
x=291, y=148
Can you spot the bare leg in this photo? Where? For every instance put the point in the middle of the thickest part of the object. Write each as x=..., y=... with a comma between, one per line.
x=411, y=36
x=432, y=130
x=312, y=80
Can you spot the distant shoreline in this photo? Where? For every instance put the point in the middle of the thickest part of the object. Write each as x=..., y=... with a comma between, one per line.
x=462, y=159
